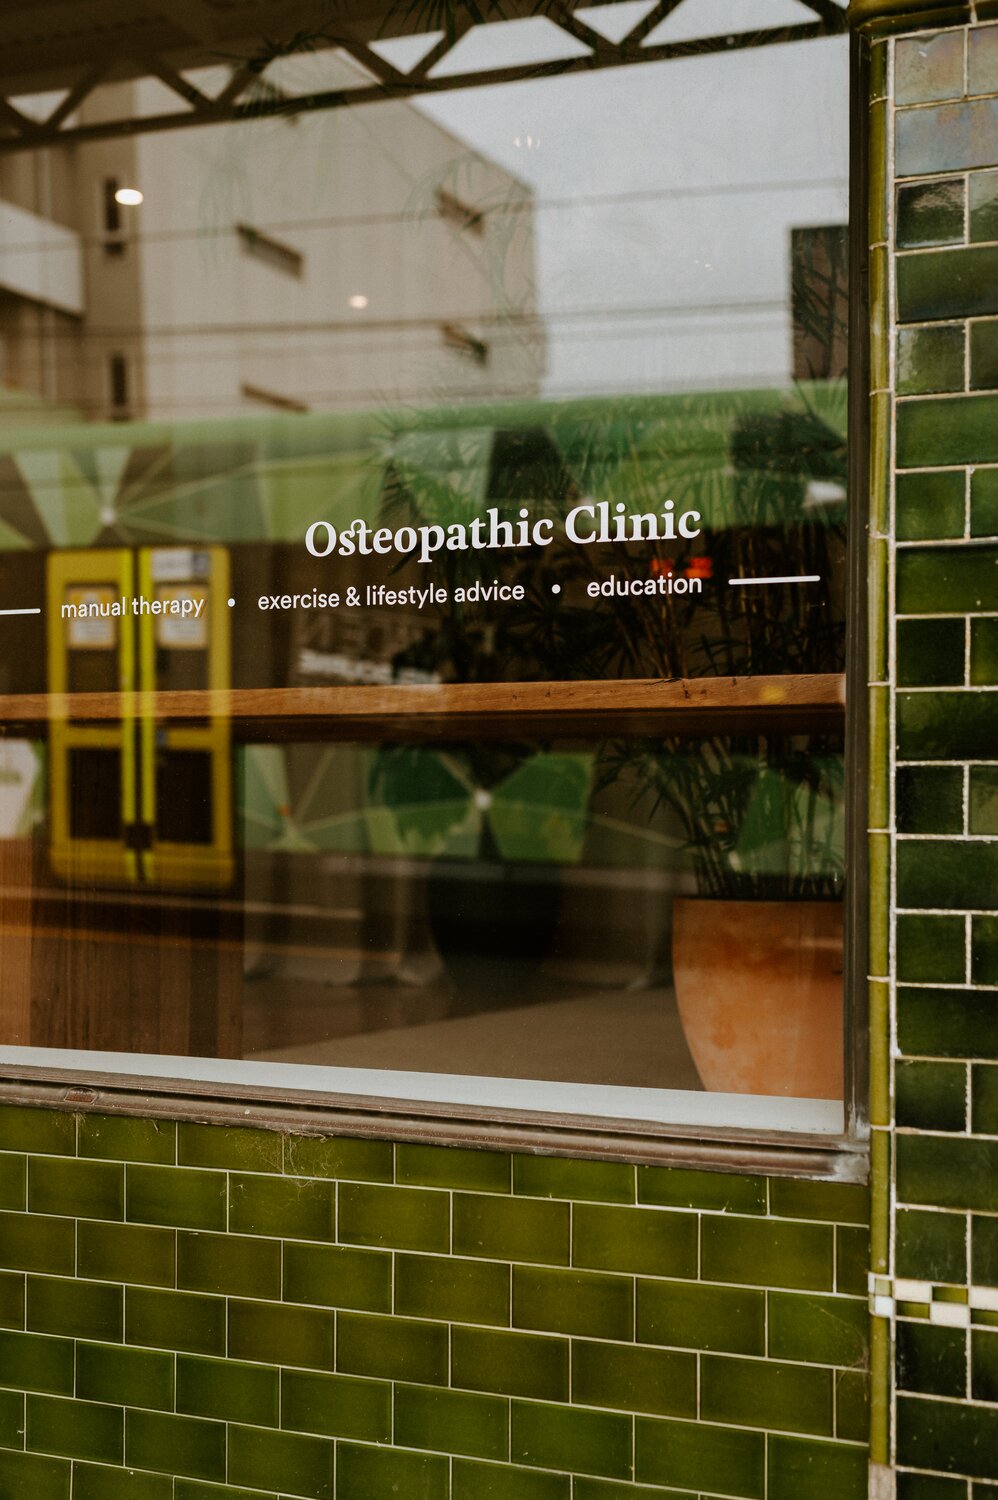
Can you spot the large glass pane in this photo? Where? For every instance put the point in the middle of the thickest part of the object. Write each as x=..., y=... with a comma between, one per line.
x=422, y=543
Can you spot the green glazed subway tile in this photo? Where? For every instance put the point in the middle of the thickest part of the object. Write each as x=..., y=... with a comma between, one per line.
x=511, y=1229
x=74, y=1429
x=881, y=427
x=452, y=1167
x=931, y=1360
x=336, y=1406
x=947, y=1023
x=589, y=1181
x=930, y=505
x=946, y=726
x=982, y=59
x=946, y=138
x=984, y=502
x=335, y=1277
x=451, y=1421
x=878, y=858
x=930, y=213
x=477, y=1481
x=127, y=1252
x=929, y=799
x=876, y=157
x=557, y=1437
x=98, y=1482
x=948, y=1173
x=512, y=1364
x=984, y=1367
x=175, y=1445
x=121, y=1138
x=701, y=1317
x=77, y=1309
x=282, y=1208
x=789, y=1398
x=174, y=1320
x=81, y=1189
x=941, y=873
x=931, y=1096
x=835, y=1202
x=930, y=359
x=932, y=1246
x=852, y=1405
x=228, y=1391
x=931, y=653
x=125, y=1377
x=12, y=1299
x=951, y=1294
x=821, y=1471
x=945, y=430
x=984, y=652
x=880, y=1205
x=28, y=1474
x=340, y=1156
x=32, y=1243
x=698, y=1456
x=931, y=949
x=33, y=1363
x=928, y=68
x=392, y=1349
x=764, y=1253
x=13, y=1181
x=656, y=1381
x=675, y=1187
x=984, y=1253
x=584, y=1302
x=40, y=1131
x=983, y=355
x=947, y=580
x=12, y=1419
x=193, y=1489
x=878, y=753
x=393, y=1217
x=459, y=1291
x=227, y=1263
x=852, y=1260
x=950, y=1436
x=930, y=1487
x=984, y=1093
x=281, y=1335
x=366, y=1473
x=177, y=1197
x=228, y=1146
x=984, y=205
x=983, y=808
x=984, y=950
x=878, y=1010
x=633, y=1239
x=284, y=1461
x=823, y=1330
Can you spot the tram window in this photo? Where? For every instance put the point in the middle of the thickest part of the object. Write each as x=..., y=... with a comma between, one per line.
x=184, y=797
x=95, y=800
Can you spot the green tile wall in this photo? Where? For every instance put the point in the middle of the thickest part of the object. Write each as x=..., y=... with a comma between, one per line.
x=934, y=1184
x=406, y=1323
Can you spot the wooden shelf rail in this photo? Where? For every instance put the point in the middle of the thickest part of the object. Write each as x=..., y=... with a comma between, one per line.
x=456, y=711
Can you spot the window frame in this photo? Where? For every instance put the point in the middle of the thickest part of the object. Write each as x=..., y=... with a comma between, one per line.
x=145, y=1085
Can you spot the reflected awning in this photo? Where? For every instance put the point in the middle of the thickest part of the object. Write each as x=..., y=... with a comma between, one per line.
x=67, y=48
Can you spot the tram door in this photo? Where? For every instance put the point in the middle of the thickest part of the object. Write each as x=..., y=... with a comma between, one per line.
x=137, y=799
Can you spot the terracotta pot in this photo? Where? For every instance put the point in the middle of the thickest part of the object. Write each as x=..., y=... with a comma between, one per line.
x=759, y=989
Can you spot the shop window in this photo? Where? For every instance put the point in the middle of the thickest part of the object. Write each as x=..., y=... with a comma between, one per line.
x=475, y=716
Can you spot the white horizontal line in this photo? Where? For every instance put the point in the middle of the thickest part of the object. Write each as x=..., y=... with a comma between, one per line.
x=20, y=611
x=791, y=578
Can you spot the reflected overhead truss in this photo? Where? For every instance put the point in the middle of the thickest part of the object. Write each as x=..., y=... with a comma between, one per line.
x=42, y=53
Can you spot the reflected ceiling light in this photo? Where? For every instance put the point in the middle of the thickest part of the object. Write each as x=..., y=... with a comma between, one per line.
x=129, y=197
x=359, y=301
